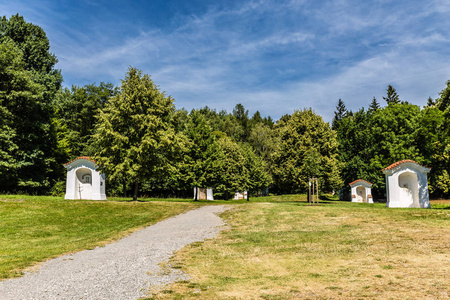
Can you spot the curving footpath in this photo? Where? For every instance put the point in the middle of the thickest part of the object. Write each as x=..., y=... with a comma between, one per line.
x=125, y=269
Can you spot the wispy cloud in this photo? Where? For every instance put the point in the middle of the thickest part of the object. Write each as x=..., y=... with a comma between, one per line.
x=272, y=56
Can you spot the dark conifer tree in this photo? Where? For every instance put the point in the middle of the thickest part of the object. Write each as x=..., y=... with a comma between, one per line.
x=340, y=113
x=392, y=96
x=374, y=105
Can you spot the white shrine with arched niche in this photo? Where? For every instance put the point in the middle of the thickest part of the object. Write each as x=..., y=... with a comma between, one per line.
x=84, y=181
x=407, y=185
x=361, y=191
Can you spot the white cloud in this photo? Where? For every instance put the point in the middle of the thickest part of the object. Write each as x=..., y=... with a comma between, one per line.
x=271, y=56
x=415, y=78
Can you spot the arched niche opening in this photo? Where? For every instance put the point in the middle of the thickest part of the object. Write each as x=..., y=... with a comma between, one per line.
x=361, y=194
x=83, y=185
x=409, y=188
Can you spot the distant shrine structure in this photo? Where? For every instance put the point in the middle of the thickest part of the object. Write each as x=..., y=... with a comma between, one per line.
x=83, y=180
x=407, y=185
x=361, y=191
x=203, y=193
x=240, y=195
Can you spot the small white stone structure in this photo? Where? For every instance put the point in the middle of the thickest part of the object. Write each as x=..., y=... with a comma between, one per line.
x=240, y=196
x=84, y=181
x=204, y=193
x=407, y=185
x=361, y=191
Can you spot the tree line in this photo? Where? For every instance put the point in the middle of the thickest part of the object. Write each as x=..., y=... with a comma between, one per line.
x=373, y=138
x=145, y=145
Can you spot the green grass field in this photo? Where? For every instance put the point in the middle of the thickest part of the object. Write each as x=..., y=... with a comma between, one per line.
x=274, y=247
x=33, y=229
x=338, y=250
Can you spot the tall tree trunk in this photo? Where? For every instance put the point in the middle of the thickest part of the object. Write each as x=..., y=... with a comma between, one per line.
x=124, y=187
x=136, y=185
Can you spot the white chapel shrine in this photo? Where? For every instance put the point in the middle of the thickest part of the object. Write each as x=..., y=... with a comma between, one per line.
x=407, y=185
x=361, y=191
x=240, y=195
x=84, y=181
x=203, y=193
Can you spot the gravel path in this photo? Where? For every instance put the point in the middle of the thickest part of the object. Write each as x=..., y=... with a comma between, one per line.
x=126, y=269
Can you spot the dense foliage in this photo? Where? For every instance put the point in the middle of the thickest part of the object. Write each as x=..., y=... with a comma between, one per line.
x=145, y=145
x=28, y=83
x=373, y=139
x=307, y=147
x=134, y=139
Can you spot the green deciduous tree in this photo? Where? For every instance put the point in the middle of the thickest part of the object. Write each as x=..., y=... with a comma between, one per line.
x=433, y=143
x=370, y=141
x=13, y=81
x=29, y=84
x=259, y=176
x=32, y=41
x=27, y=156
x=353, y=136
x=307, y=148
x=200, y=155
x=443, y=102
x=392, y=135
x=135, y=139
x=231, y=175
x=213, y=159
x=75, y=117
x=262, y=140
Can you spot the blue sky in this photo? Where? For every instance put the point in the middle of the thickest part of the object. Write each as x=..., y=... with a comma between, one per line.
x=271, y=56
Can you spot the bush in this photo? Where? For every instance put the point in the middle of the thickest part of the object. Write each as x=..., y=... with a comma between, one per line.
x=58, y=189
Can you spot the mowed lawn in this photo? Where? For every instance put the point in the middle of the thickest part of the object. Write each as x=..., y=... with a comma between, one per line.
x=33, y=229
x=273, y=247
x=287, y=250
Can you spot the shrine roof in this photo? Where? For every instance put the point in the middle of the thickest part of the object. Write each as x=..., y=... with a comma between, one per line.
x=78, y=158
x=396, y=164
x=362, y=180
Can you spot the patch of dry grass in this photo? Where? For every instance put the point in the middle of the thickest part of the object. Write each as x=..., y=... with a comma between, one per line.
x=333, y=251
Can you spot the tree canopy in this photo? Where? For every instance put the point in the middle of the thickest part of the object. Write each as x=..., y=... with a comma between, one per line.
x=27, y=86
x=372, y=140
x=307, y=148
x=134, y=139
x=141, y=141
